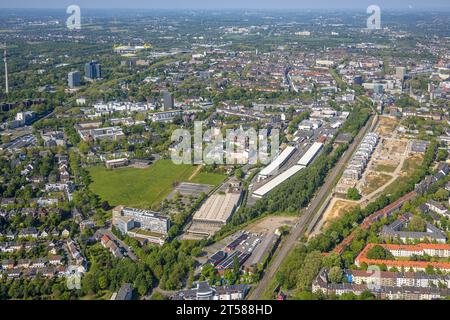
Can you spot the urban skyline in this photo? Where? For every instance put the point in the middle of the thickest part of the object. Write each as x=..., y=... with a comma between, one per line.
x=231, y=4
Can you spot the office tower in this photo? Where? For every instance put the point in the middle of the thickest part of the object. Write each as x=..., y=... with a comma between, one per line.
x=98, y=70
x=400, y=73
x=168, y=102
x=74, y=79
x=93, y=70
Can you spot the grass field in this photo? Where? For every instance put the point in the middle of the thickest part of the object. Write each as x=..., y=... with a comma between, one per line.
x=141, y=188
x=412, y=163
x=385, y=168
x=208, y=178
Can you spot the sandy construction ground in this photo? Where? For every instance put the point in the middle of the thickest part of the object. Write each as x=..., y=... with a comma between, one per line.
x=270, y=224
x=386, y=126
x=336, y=208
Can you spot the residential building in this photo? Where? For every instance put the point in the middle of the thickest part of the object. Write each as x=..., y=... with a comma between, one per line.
x=406, y=251
x=165, y=116
x=74, y=79
x=437, y=208
x=168, y=101
x=125, y=292
x=395, y=231
x=93, y=70
x=400, y=73
x=388, y=285
x=109, y=133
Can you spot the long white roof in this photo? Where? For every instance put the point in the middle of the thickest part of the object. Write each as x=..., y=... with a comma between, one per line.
x=310, y=154
x=277, y=181
x=277, y=162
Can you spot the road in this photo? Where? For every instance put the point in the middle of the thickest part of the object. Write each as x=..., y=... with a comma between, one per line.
x=308, y=216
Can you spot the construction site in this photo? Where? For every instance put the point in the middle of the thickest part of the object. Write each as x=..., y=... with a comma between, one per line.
x=393, y=158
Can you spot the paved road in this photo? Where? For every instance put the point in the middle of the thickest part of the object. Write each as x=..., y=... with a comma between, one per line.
x=299, y=229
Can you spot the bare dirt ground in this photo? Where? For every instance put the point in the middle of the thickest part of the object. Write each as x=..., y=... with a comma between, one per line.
x=384, y=167
x=336, y=209
x=375, y=180
x=340, y=207
x=411, y=163
x=386, y=126
x=270, y=224
x=388, y=153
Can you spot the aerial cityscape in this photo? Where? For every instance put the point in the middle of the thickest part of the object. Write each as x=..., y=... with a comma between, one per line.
x=203, y=152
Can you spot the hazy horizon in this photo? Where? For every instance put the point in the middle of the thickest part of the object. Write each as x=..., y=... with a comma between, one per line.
x=230, y=4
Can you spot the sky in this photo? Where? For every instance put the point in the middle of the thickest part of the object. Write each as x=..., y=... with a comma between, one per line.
x=227, y=4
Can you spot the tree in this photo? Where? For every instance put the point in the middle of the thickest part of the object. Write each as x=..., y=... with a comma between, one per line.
x=208, y=272
x=239, y=173
x=157, y=296
x=312, y=266
x=236, y=266
x=103, y=281
x=105, y=206
x=83, y=147
x=229, y=276
x=442, y=155
x=430, y=270
x=348, y=296
x=417, y=224
x=332, y=260
x=353, y=194
x=335, y=275
x=366, y=295
x=441, y=195
x=379, y=253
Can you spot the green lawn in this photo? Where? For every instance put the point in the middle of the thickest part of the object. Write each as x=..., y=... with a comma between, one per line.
x=141, y=188
x=208, y=178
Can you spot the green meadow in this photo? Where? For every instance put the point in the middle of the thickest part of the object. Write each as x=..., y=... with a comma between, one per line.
x=141, y=188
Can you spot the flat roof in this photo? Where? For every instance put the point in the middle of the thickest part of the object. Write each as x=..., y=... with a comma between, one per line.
x=277, y=181
x=310, y=154
x=218, y=208
x=277, y=162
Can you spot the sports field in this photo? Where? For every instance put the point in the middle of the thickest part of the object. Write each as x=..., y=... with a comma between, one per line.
x=141, y=188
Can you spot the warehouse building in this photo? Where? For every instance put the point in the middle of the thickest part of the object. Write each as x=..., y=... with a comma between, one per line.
x=216, y=211
x=273, y=167
x=272, y=184
x=309, y=156
x=218, y=208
